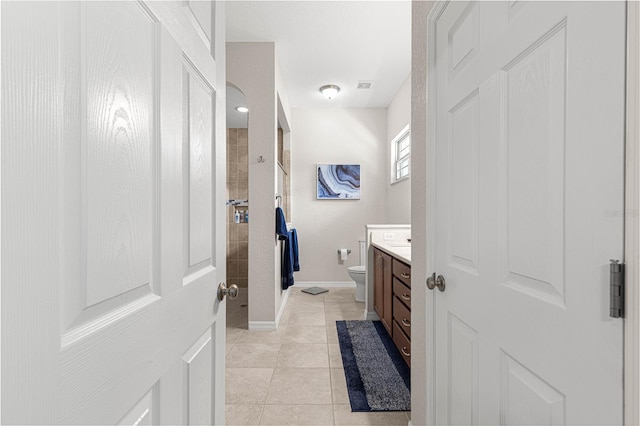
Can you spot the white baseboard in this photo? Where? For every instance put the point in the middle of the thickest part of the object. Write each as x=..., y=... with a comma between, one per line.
x=270, y=325
x=330, y=284
x=372, y=316
x=285, y=299
x=262, y=326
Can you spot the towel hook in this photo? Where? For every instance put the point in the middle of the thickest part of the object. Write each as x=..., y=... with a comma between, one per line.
x=279, y=200
x=261, y=159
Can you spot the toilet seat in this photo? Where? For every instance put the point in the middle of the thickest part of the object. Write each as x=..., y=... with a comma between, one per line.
x=357, y=269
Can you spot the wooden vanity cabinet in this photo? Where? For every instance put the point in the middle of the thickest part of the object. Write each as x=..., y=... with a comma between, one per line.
x=402, y=308
x=392, y=299
x=402, y=316
x=382, y=288
x=402, y=271
x=402, y=342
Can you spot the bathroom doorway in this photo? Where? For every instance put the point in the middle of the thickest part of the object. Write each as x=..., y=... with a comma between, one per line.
x=237, y=206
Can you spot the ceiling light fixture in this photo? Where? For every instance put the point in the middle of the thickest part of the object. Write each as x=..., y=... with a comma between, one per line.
x=242, y=109
x=329, y=91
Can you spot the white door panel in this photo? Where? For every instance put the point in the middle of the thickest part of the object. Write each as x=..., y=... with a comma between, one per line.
x=111, y=255
x=198, y=115
x=141, y=414
x=200, y=14
x=529, y=152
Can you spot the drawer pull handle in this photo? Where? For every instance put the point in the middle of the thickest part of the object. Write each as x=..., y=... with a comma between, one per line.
x=406, y=323
x=405, y=296
x=404, y=351
x=405, y=275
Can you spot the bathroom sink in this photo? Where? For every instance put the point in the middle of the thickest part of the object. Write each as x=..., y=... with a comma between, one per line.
x=400, y=244
x=403, y=253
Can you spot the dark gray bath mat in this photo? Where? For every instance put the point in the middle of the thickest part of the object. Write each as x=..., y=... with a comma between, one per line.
x=377, y=376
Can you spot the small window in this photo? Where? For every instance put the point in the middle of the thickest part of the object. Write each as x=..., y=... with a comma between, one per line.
x=401, y=146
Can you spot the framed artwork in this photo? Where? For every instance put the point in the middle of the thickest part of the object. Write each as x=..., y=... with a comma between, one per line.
x=338, y=182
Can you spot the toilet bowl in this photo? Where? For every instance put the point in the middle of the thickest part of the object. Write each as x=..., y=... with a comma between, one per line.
x=357, y=274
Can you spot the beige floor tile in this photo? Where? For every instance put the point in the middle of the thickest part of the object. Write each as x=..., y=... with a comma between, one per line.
x=307, y=336
x=331, y=322
x=332, y=317
x=315, y=308
x=307, y=319
x=300, y=386
x=233, y=334
x=284, y=320
x=332, y=334
x=309, y=300
x=339, y=391
x=289, y=307
x=286, y=313
x=228, y=348
x=247, y=386
x=341, y=307
x=303, y=355
x=297, y=415
x=305, y=298
x=237, y=415
x=303, y=334
x=276, y=336
x=343, y=416
x=253, y=355
x=335, y=356
x=298, y=291
x=340, y=295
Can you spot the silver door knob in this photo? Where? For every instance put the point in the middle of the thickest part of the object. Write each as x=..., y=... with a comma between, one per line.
x=433, y=282
x=231, y=291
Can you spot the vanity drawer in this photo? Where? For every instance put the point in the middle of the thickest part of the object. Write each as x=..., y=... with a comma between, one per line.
x=402, y=316
x=402, y=271
x=402, y=291
x=402, y=343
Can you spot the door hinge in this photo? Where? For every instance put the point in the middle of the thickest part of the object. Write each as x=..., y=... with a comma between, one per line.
x=616, y=285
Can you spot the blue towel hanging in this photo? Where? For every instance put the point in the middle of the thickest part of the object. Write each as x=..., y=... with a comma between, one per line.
x=287, y=263
x=286, y=273
x=294, y=249
x=281, y=225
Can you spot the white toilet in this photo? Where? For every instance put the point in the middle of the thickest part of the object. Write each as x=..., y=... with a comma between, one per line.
x=358, y=273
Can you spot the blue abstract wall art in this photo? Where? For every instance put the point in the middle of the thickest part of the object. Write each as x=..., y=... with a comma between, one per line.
x=338, y=182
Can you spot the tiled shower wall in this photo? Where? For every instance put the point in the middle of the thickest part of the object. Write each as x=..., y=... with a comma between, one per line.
x=237, y=188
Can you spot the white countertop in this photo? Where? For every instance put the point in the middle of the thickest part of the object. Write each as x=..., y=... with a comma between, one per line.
x=399, y=250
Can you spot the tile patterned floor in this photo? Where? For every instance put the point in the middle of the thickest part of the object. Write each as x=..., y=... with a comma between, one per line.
x=294, y=376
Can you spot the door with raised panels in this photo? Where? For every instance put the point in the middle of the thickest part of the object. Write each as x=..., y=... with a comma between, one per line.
x=529, y=158
x=112, y=230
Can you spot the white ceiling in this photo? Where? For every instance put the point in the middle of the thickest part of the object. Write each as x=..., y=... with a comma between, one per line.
x=331, y=42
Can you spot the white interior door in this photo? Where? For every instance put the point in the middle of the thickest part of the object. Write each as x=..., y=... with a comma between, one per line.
x=112, y=213
x=529, y=156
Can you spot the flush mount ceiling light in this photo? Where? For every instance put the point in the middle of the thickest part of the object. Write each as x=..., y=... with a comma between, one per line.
x=329, y=91
x=242, y=109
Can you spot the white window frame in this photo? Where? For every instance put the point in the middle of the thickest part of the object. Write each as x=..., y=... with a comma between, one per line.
x=405, y=134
